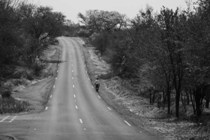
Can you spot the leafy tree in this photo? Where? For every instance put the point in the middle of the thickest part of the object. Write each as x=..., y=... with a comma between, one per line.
x=99, y=21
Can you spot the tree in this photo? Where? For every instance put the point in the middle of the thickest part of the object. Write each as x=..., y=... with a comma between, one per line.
x=100, y=21
x=9, y=39
x=198, y=64
x=38, y=24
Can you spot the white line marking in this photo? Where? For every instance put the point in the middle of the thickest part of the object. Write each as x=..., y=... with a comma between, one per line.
x=76, y=107
x=109, y=108
x=99, y=97
x=4, y=119
x=74, y=96
x=81, y=121
x=13, y=119
x=73, y=86
x=46, y=108
x=127, y=123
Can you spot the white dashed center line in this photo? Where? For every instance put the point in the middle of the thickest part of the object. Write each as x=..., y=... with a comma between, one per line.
x=76, y=107
x=99, y=97
x=74, y=96
x=73, y=86
x=127, y=123
x=109, y=108
x=81, y=121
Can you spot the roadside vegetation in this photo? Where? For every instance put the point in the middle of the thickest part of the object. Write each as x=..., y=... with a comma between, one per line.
x=163, y=57
x=158, y=61
x=26, y=32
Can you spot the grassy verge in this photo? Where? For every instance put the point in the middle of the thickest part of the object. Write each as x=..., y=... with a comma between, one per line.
x=95, y=68
x=136, y=109
x=32, y=95
x=11, y=105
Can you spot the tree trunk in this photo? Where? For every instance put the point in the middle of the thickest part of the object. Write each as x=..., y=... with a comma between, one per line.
x=207, y=103
x=169, y=100
x=177, y=103
x=164, y=99
x=193, y=103
x=183, y=100
x=153, y=97
x=150, y=96
x=188, y=98
x=198, y=101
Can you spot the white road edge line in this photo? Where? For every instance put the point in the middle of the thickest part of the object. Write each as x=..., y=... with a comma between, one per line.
x=74, y=96
x=13, y=119
x=4, y=119
x=81, y=121
x=109, y=108
x=99, y=97
x=76, y=107
x=46, y=108
x=127, y=123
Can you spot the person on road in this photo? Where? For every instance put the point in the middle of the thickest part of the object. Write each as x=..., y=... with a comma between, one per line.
x=97, y=84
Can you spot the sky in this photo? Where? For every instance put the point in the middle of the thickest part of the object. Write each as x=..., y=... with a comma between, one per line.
x=71, y=8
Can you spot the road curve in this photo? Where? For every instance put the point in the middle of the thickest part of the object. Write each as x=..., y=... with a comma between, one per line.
x=75, y=111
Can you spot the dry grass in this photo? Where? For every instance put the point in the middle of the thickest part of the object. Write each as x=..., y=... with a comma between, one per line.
x=11, y=105
x=135, y=108
x=33, y=95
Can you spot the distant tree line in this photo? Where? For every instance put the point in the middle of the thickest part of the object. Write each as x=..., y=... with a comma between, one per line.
x=25, y=32
x=166, y=52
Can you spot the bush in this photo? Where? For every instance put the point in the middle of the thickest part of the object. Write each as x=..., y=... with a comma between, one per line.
x=10, y=105
x=37, y=68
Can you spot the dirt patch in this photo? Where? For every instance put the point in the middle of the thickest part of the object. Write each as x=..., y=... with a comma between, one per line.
x=36, y=95
x=136, y=109
x=33, y=95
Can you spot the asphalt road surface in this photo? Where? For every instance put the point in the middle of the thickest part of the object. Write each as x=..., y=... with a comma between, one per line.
x=75, y=111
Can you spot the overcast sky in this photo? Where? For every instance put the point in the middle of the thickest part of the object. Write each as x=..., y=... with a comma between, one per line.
x=71, y=8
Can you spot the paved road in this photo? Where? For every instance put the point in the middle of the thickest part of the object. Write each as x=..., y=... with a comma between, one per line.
x=75, y=111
